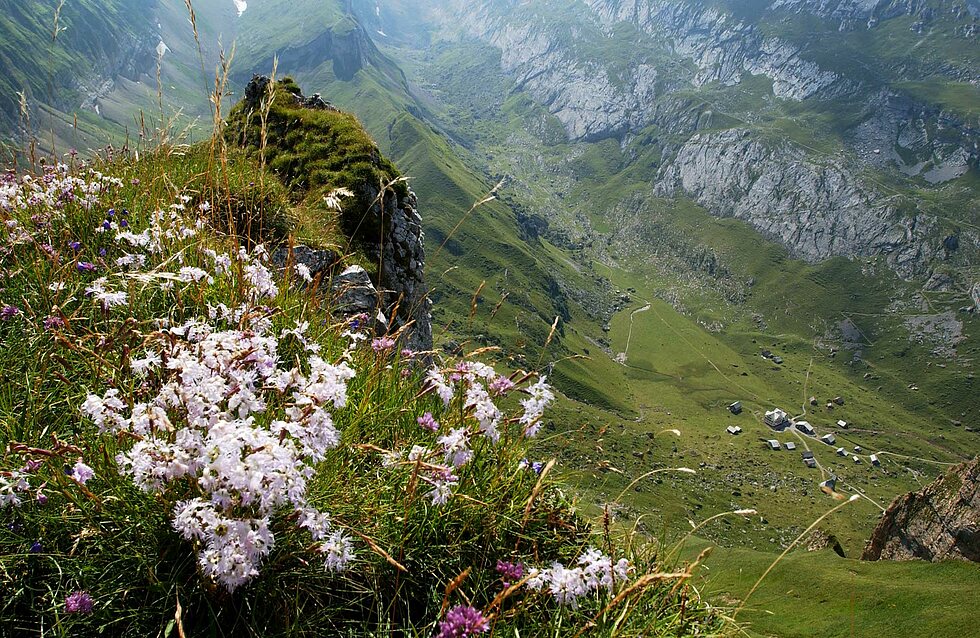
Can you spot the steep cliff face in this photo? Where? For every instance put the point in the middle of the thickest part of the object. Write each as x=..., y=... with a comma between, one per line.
x=613, y=68
x=816, y=209
x=937, y=523
x=85, y=44
x=724, y=47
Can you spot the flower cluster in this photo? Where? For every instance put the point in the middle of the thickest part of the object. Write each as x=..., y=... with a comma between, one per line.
x=53, y=190
x=224, y=417
x=218, y=385
x=475, y=384
x=593, y=571
x=463, y=621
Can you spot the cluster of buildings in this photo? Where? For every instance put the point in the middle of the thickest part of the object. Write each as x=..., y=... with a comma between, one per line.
x=779, y=421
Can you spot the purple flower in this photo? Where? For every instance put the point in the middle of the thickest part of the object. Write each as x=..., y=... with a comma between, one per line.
x=82, y=473
x=53, y=323
x=124, y=223
x=9, y=312
x=501, y=385
x=78, y=603
x=510, y=572
x=107, y=224
x=428, y=422
x=75, y=245
x=383, y=344
x=463, y=621
x=135, y=182
x=36, y=547
x=102, y=252
x=42, y=498
x=84, y=266
x=358, y=320
x=111, y=212
x=535, y=466
x=408, y=353
x=32, y=466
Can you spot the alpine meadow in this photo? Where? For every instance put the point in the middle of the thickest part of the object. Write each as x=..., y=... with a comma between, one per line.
x=515, y=318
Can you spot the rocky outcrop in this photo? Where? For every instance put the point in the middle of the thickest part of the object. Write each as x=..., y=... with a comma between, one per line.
x=382, y=221
x=401, y=254
x=918, y=139
x=725, y=48
x=817, y=210
x=937, y=523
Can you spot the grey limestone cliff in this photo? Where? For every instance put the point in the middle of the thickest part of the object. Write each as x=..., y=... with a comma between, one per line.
x=939, y=522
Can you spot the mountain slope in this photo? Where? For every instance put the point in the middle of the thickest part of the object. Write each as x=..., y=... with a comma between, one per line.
x=816, y=155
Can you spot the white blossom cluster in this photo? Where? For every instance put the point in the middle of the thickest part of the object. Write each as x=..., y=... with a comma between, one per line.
x=477, y=383
x=11, y=489
x=218, y=386
x=593, y=571
x=225, y=419
x=54, y=189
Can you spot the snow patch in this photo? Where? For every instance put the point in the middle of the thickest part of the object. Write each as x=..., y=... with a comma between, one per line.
x=162, y=48
x=240, y=6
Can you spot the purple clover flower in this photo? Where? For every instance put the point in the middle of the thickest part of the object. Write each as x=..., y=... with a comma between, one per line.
x=9, y=312
x=383, y=344
x=428, y=422
x=79, y=602
x=463, y=621
x=84, y=266
x=510, y=572
x=75, y=245
x=53, y=323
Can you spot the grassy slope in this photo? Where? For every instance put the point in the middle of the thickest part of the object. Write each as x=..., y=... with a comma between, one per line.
x=692, y=398
x=683, y=376
x=821, y=594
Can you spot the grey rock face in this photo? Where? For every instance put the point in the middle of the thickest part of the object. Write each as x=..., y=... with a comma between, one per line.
x=403, y=296
x=591, y=100
x=393, y=237
x=354, y=294
x=725, y=48
x=817, y=210
x=917, y=139
x=319, y=261
x=940, y=522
